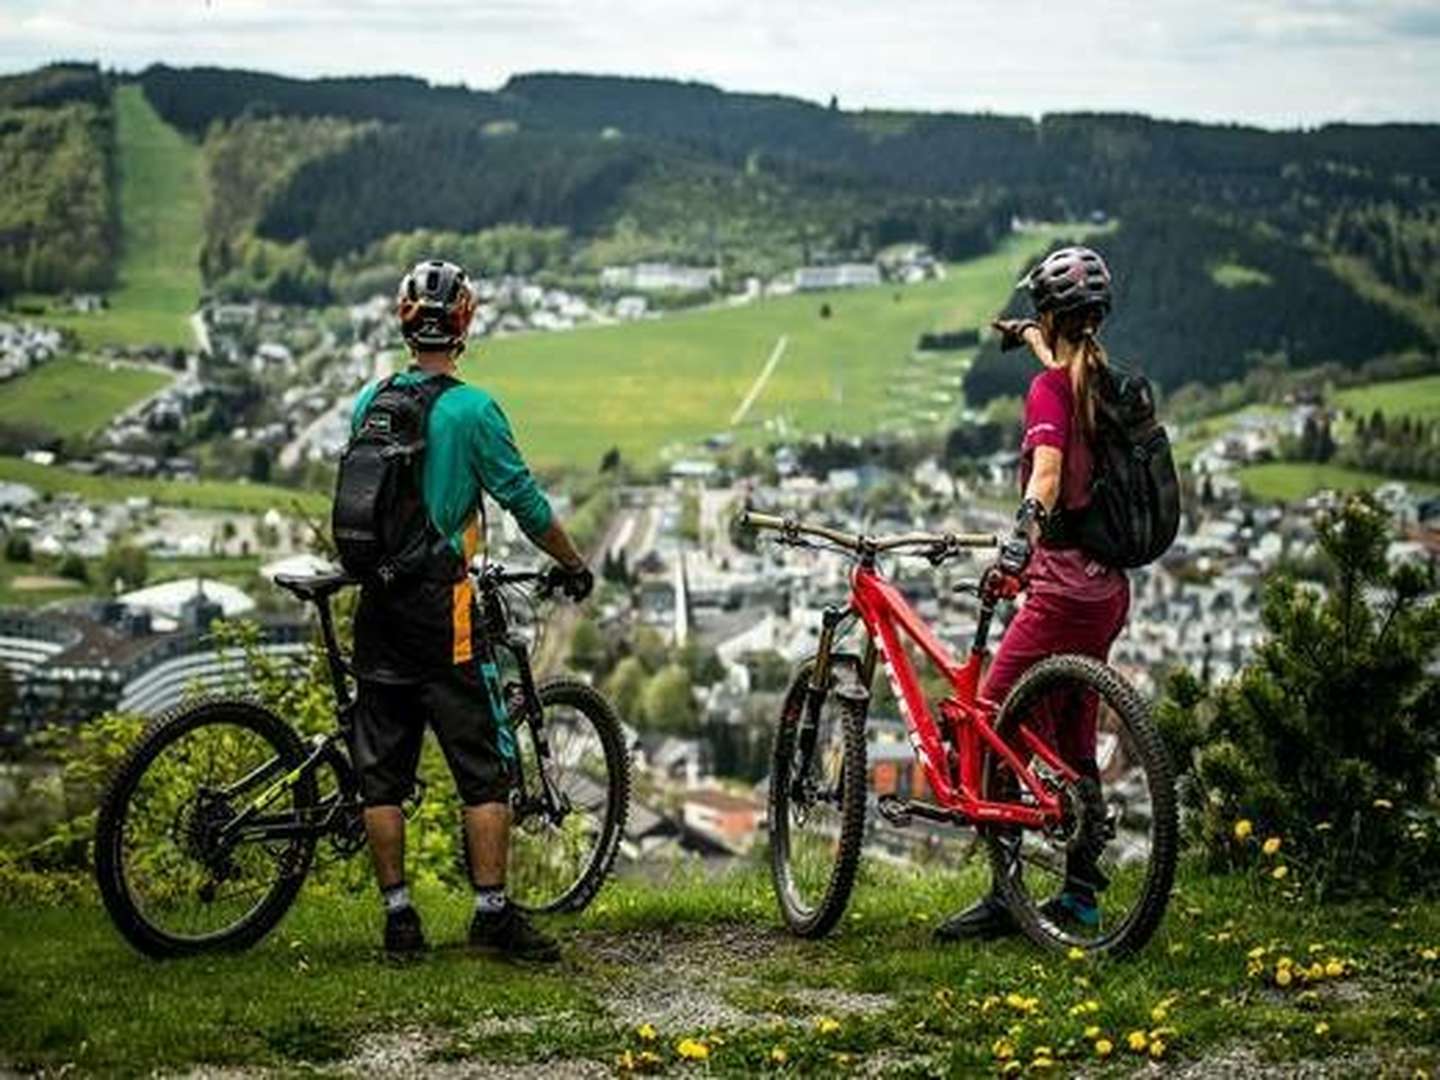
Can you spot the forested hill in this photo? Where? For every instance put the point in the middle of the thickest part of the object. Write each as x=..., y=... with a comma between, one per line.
x=1311, y=245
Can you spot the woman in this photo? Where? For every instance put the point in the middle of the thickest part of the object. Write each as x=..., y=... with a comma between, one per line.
x=1073, y=604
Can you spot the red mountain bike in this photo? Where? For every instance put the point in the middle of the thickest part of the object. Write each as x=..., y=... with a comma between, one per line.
x=991, y=767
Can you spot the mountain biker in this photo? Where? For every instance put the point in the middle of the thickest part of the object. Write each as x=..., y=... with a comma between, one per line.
x=1073, y=603
x=419, y=653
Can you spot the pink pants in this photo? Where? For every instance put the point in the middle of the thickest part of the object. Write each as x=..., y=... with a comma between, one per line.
x=1048, y=624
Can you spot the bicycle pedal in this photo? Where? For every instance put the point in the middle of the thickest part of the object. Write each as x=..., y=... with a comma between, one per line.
x=895, y=811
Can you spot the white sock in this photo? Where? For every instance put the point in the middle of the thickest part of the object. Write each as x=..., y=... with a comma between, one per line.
x=490, y=900
x=396, y=898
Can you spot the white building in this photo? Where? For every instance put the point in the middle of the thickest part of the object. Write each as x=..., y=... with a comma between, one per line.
x=841, y=276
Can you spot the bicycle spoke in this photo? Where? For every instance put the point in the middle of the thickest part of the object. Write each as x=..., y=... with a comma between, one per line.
x=176, y=868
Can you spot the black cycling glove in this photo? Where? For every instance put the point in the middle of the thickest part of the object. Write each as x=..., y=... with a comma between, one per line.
x=1029, y=524
x=576, y=584
x=1012, y=332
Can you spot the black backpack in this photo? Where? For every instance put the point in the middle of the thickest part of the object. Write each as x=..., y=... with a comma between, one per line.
x=1134, y=510
x=382, y=530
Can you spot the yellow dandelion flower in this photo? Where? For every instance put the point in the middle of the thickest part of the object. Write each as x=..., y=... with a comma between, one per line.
x=1257, y=952
x=647, y=1032
x=827, y=1025
x=1243, y=828
x=1093, y=1031
x=1012, y=1067
x=1316, y=971
x=648, y=1059
x=1043, y=1063
x=1279, y=872
x=1044, y=1052
x=1334, y=968
x=1271, y=845
x=1157, y=1049
x=1003, y=1049
x=1283, y=977
x=1383, y=804
x=1137, y=1041
x=626, y=1061
x=1104, y=1048
x=1428, y=954
x=1322, y=1028
x=1159, y=1013
x=779, y=1056
x=1076, y=953
x=692, y=1050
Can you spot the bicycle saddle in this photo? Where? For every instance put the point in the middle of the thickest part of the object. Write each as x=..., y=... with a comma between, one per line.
x=315, y=587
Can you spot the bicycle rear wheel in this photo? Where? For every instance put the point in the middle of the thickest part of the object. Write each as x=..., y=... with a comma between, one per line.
x=559, y=864
x=817, y=807
x=1101, y=879
x=171, y=883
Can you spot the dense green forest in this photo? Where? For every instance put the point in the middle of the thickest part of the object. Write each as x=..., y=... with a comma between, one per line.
x=57, y=211
x=1234, y=243
x=1199, y=299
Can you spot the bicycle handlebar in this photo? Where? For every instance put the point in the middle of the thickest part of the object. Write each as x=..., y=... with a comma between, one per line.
x=792, y=529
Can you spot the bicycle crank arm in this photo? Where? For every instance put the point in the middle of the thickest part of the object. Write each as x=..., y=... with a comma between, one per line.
x=902, y=812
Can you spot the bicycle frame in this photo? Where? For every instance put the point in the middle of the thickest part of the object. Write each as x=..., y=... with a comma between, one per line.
x=954, y=771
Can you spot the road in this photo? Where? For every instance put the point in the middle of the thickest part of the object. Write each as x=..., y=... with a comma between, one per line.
x=290, y=455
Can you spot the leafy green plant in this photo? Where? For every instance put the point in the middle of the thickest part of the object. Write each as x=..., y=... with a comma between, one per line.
x=1328, y=737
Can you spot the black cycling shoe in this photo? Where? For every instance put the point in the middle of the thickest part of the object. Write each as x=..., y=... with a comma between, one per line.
x=403, y=935
x=987, y=919
x=510, y=934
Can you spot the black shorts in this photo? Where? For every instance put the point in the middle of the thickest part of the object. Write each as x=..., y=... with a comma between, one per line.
x=389, y=726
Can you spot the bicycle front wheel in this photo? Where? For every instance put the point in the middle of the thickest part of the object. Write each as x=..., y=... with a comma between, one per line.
x=171, y=880
x=817, y=798
x=1100, y=878
x=559, y=857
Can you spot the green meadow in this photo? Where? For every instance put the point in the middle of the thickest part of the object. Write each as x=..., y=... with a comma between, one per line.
x=650, y=386
x=70, y=396
x=1402, y=397
x=196, y=494
x=162, y=214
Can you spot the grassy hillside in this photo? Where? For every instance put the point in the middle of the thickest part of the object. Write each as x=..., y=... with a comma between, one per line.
x=74, y=397
x=1290, y=481
x=1403, y=397
x=203, y=494
x=162, y=213
x=645, y=386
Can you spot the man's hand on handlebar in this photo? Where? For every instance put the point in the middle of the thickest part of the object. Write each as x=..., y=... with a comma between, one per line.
x=575, y=582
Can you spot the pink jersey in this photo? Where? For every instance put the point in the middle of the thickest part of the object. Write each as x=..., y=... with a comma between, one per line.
x=1050, y=421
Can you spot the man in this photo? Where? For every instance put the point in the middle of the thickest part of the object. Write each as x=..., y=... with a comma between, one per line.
x=419, y=655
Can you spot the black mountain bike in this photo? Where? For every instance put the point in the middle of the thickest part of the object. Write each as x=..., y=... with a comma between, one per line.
x=210, y=825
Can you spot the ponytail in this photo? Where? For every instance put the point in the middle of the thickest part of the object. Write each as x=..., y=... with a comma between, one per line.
x=1080, y=327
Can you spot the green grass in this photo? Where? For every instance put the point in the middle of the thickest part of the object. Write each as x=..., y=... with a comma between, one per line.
x=72, y=994
x=200, y=495
x=1232, y=275
x=73, y=397
x=1401, y=397
x=162, y=215
x=647, y=386
x=1290, y=481
x=235, y=571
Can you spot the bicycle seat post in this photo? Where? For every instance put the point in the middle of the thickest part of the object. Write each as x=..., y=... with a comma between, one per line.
x=332, y=652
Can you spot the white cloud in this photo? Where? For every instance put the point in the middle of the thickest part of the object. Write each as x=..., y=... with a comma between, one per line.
x=1263, y=61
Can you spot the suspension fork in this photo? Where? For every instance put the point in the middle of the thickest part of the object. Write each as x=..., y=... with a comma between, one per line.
x=818, y=686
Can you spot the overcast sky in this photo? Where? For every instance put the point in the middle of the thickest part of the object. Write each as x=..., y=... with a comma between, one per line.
x=1270, y=62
